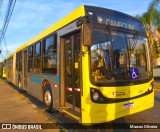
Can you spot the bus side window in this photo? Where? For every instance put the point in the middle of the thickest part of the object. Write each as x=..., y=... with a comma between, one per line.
x=19, y=61
x=49, y=61
x=30, y=58
x=37, y=59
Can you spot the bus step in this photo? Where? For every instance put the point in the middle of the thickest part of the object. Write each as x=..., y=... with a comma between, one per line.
x=72, y=113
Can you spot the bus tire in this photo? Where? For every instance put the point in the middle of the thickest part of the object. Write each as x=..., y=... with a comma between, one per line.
x=48, y=98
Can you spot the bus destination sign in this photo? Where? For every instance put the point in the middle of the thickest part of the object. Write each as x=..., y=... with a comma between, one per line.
x=116, y=23
x=119, y=21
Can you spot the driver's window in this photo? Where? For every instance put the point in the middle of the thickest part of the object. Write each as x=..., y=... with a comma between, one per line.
x=119, y=51
x=100, y=55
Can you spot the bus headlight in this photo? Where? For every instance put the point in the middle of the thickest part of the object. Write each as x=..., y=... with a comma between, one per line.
x=150, y=88
x=95, y=96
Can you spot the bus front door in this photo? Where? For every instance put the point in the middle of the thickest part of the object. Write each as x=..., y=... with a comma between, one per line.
x=72, y=71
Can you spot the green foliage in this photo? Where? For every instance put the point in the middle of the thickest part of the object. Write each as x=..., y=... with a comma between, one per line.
x=157, y=48
x=157, y=78
x=151, y=21
x=154, y=4
x=154, y=9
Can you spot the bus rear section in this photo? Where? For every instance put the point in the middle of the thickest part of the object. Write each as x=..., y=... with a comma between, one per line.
x=2, y=70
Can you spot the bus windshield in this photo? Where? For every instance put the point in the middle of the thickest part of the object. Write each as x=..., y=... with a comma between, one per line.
x=119, y=57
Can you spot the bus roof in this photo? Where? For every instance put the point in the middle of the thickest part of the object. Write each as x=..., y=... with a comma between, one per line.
x=66, y=20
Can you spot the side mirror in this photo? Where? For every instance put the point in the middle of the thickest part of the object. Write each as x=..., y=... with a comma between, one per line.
x=86, y=24
x=79, y=22
x=87, y=34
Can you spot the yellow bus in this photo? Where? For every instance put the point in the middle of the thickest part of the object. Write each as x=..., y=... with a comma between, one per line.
x=2, y=70
x=10, y=66
x=94, y=65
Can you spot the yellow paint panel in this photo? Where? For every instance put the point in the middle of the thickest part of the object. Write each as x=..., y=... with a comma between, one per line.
x=76, y=65
x=99, y=113
x=4, y=74
x=125, y=91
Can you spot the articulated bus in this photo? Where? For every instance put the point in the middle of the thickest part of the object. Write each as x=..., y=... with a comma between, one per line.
x=94, y=65
x=2, y=70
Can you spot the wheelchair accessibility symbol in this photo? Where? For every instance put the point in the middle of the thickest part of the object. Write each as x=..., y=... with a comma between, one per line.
x=133, y=73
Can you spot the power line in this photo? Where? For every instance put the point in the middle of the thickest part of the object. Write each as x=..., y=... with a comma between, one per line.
x=7, y=51
x=8, y=15
x=1, y=3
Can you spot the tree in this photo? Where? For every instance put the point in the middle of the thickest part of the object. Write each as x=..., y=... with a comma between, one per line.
x=151, y=21
x=157, y=48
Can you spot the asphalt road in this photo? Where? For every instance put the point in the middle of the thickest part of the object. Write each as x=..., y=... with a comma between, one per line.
x=23, y=108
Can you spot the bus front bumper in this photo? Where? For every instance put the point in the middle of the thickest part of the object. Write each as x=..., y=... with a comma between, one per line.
x=100, y=113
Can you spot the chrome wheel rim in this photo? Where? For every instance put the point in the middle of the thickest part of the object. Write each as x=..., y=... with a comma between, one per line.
x=47, y=98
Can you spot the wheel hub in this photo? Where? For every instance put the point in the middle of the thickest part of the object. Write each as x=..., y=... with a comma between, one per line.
x=47, y=98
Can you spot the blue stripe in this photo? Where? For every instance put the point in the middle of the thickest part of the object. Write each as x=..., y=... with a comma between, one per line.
x=37, y=80
x=57, y=79
x=49, y=77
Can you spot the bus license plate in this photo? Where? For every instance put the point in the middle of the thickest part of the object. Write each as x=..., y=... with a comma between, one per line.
x=128, y=106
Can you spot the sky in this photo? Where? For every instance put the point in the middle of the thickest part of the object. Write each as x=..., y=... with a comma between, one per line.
x=30, y=17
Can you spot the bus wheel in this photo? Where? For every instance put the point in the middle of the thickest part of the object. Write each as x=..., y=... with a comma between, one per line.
x=48, y=99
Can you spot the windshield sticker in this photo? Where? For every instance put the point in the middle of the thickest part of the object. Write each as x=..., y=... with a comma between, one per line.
x=134, y=73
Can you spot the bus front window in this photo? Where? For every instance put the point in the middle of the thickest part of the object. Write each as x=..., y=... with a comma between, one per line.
x=139, y=55
x=119, y=57
x=100, y=56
